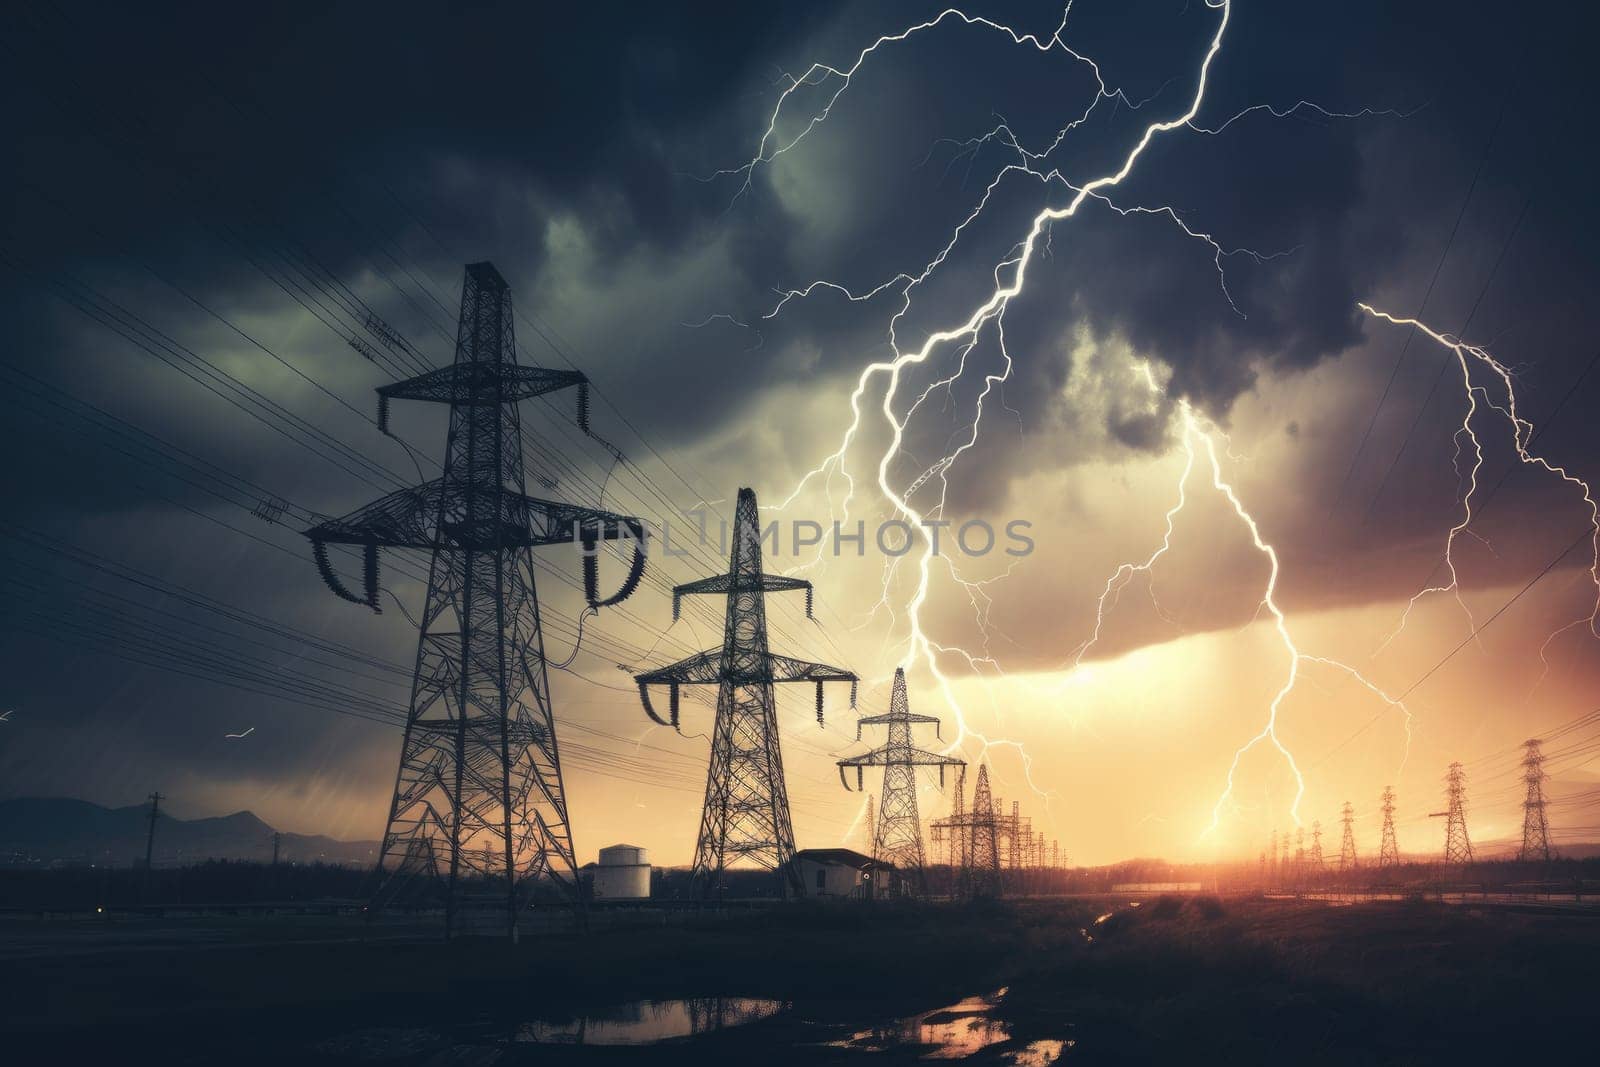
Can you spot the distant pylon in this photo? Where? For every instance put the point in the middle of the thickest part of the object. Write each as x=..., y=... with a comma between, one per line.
x=952, y=825
x=1388, y=848
x=1457, y=845
x=479, y=805
x=1299, y=852
x=1316, y=847
x=746, y=815
x=1273, y=852
x=1347, y=843
x=1535, y=829
x=897, y=839
x=981, y=877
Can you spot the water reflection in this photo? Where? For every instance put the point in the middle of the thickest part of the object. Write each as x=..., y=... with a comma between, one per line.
x=1039, y=1053
x=956, y=1032
x=645, y=1022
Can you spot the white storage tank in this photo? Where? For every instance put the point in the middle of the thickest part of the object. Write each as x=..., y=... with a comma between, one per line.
x=623, y=873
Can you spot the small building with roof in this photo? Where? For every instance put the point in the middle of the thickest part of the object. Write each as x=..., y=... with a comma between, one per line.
x=840, y=872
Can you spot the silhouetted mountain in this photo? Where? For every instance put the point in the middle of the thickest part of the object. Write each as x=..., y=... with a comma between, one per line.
x=55, y=830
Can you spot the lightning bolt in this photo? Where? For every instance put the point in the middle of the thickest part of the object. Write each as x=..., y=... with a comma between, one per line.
x=1522, y=433
x=1009, y=280
x=1198, y=437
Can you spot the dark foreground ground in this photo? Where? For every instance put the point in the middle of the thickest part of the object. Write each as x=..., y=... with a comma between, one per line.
x=1195, y=981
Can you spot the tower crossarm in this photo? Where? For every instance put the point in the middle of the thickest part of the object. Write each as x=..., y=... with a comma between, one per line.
x=752, y=668
x=884, y=755
x=481, y=382
x=894, y=717
x=422, y=517
x=723, y=584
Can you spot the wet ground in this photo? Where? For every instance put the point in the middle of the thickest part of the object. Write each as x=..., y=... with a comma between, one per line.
x=1074, y=981
x=970, y=1030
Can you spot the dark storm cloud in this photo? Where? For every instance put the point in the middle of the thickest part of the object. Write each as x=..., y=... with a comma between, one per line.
x=387, y=144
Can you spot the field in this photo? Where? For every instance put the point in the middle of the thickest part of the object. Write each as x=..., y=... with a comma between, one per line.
x=1240, y=980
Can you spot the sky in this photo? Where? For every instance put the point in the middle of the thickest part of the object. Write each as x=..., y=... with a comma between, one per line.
x=207, y=205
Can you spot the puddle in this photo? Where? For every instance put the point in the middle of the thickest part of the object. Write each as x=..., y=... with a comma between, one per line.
x=1039, y=1053
x=955, y=1032
x=645, y=1022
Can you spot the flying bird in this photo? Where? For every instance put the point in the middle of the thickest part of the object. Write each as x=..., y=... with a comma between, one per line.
x=7, y=716
x=239, y=737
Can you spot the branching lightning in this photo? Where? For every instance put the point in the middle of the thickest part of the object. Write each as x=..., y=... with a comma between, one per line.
x=1198, y=437
x=1522, y=433
x=919, y=646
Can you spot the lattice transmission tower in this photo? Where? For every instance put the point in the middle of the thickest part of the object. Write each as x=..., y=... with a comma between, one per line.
x=746, y=815
x=1535, y=827
x=1316, y=847
x=1347, y=842
x=978, y=831
x=479, y=810
x=1388, y=847
x=948, y=828
x=1457, y=845
x=897, y=839
x=981, y=876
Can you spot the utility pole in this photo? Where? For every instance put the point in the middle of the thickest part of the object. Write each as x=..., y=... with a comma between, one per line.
x=1274, y=871
x=277, y=839
x=1316, y=847
x=480, y=808
x=1347, y=842
x=1299, y=854
x=1535, y=828
x=1457, y=846
x=898, y=837
x=1388, y=848
x=150, y=839
x=746, y=815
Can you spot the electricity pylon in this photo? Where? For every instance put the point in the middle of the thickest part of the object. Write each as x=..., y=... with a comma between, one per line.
x=981, y=875
x=1388, y=847
x=479, y=803
x=1316, y=847
x=1347, y=843
x=872, y=828
x=1457, y=845
x=952, y=823
x=975, y=837
x=1535, y=828
x=897, y=838
x=746, y=814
